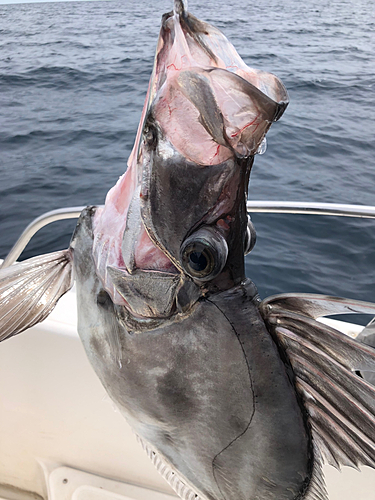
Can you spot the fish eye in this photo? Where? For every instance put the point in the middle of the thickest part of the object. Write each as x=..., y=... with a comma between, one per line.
x=199, y=260
x=203, y=254
x=250, y=237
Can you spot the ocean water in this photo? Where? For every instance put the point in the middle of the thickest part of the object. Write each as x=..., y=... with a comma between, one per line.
x=73, y=78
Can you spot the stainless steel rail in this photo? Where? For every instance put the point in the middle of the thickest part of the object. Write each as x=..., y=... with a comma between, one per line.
x=299, y=207
x=34, y=226
x=274, y=207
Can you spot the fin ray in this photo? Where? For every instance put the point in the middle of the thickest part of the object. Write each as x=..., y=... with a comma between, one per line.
x=29, y=290
x=340, y=404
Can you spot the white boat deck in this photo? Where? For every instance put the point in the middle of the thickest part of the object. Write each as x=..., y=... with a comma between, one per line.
x=61, y=437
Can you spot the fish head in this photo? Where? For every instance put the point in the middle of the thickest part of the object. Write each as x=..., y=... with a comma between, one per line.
x=179, y=212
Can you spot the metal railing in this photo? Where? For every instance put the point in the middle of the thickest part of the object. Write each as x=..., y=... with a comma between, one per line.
x=299, y=207
x=33, y=228
x=274, y=207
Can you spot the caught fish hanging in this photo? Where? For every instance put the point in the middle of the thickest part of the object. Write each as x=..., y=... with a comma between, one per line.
x=231, y=397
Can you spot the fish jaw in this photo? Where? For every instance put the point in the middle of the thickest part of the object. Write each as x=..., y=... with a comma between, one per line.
x=205, y=115
x=122, y=245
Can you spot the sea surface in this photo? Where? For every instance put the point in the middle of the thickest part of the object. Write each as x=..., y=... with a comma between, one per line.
x=73, y=78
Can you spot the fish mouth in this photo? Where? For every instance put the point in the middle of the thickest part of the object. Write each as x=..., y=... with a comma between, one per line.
x=205, y=115
x=196, y=60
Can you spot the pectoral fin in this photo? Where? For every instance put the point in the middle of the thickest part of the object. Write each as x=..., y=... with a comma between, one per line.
x=29, y=290
x=340, y=404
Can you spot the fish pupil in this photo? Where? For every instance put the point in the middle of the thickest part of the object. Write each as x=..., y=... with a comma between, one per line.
x=198, y=261
x=203, y=254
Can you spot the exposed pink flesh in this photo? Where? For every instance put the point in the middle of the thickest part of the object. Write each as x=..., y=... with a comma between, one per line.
x=178, y=117
x=109, y=225
x=148, y=256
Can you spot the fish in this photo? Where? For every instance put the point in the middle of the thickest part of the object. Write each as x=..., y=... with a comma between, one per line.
x=231, y=396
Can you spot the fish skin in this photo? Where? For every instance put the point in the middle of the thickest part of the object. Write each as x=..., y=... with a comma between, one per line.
x=207, y=389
